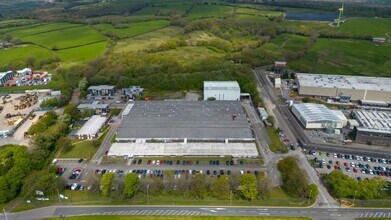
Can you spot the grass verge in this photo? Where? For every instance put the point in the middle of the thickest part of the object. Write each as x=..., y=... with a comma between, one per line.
x=276, y=146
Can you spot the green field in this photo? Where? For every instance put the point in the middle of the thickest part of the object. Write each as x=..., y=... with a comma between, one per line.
x=190, y=54
x=346, y=57
x=19, y=54
x=133, y=29
x=367, y=26
x=114, y=217
x=42, y=28
x=251, y=18
x=66, y=38
x=248, y=11
x=209, y=11
x=165, y=9
x=82, y=53
x=147, y=40
x=290, y=42
x=305, y=26
x=83, y=149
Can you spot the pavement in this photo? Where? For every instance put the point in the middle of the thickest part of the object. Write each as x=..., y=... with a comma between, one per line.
x=315, y=213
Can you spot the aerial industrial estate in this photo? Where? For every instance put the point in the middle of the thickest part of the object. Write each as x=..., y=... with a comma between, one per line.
x=215, y=108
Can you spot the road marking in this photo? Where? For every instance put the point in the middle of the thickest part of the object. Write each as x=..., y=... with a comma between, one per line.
x=381, y=213
x=376, y=215
x=366, y=214
x=106, y=213
x=261, y=213
x=371, y=215
x=133, y=212
x=389, y=214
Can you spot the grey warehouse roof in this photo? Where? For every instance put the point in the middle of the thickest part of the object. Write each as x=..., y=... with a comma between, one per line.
x=93, y=105
x=315, y=112
x=221, y=85
x=92, y=126
x=344, y=82
x=373, y=121
x=199, y=120
x=100, y=87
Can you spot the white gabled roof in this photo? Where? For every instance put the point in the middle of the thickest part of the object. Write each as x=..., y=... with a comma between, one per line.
x=221, y=85
x=92, y=126
x=315, y=112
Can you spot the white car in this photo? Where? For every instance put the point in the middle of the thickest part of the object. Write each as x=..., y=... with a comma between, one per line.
x=154, y=162
x=74, y=186
x=241, y=172
x=335, y=155
x=157, y=162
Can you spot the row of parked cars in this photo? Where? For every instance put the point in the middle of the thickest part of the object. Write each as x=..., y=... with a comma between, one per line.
x=184, y=162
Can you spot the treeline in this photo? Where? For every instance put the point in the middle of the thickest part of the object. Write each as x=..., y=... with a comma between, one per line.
x=199, y=186
x=295, y=182
x=343, y=186
x=165, y=73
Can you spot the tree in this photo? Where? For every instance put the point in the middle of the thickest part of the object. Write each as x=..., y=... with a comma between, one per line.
x=131, y=185
x=106, y=183
x=248, y=187
x=271, y=119
x=295, y=183
x=220, y=188
x=313, y=191
x=71, y=109
x=30, y=61
x=83, y=83
x=198, y=186
x=264, y=186
x=64, y=144
x=341, y=185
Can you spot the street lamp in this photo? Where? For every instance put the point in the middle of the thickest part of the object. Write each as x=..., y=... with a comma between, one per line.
x=147, y=193
x=354, y=198
x=309, y=197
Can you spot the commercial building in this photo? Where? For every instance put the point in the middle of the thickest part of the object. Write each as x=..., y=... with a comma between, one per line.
x=25, y=71
x=184, y=128
x=101, y=90
x=357, y=87
x=91, y=128
x=262, y=113
x=277, y=83
x=5, y=76
x=318, y=116
x=222, y=90
x=375, y=126
x=96, y=106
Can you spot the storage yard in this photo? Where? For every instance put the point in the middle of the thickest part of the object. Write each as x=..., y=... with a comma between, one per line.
x=357, y=87
x=14, y=108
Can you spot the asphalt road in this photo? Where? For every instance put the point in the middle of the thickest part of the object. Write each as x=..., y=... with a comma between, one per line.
x=315, y=213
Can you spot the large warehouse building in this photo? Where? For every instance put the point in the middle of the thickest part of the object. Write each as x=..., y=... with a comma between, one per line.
x=185, y=128
x=375, y=127
x=357, y=87
x=222, y=90
x=318, y=116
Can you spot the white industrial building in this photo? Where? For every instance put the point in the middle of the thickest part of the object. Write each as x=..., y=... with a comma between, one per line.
x=222, y=90
x=357, y=87
x=375, y=126
x=262, y=113
x=5, y=76
x=91, y=128
x=318, y=116
x=277, y=83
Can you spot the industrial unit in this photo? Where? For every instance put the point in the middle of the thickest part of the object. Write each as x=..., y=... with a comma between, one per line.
x=184, y=128
x=5, y=76
x=91, y=128
x=318, y=116
x=375, y=126
x=222, y=90
x=101, y=90
x=96, y=106
x=357, y=87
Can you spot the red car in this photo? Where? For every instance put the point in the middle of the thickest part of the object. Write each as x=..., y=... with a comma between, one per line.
x=355, y=170
x=336, y=167
x=149, y=162
x=345, y=164
x=286, y=140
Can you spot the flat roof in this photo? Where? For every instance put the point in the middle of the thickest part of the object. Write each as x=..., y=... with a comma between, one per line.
x=184, y=149
x=221, y=85
x=93, y=105
x=185, y=119
x=373, y=120
x=101, y=87
x=344, y=82
x=312, y=112
x=92, y=126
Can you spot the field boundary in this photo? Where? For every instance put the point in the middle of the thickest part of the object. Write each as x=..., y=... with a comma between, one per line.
x=136, y=35
x=44, y=32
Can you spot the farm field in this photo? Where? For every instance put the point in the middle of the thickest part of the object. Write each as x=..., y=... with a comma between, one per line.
x=66, y=38
x=346, y=57
x=290, y=42
x=164, y=8
x=147, y=40
x=19, y=54
x=209, y=11
x=367, y=26
x=133, y=29
x=82, y=53
x=41, y=28
x=249, y=11
x=251, y=18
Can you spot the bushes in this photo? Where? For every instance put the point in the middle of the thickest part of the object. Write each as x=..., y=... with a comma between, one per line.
x=106, y=182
